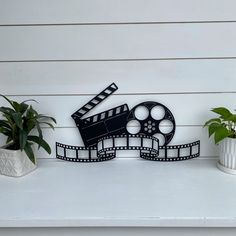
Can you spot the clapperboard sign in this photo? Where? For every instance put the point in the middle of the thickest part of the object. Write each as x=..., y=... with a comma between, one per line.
x=107, y=132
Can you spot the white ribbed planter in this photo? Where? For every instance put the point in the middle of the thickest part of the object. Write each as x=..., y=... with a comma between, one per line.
x=15, y=163
x=227, y=162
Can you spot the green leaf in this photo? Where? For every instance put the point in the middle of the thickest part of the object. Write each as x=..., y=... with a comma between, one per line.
x=224, y=112
x=220, y=134
x=5, y=124
x=47, y=123
x=23, y=107
x=7, y=100
x=29, y=125
x=232, y=118
x=18, y=119
x=42, y=143
x=29, y=152
x=16, y=106
x=40, y=116
x=212, y=128
x=30, y=113
x=34, y=112
x=5, y=131
x=6, y=110
x=217, y=120
x=39, y=130
x=53, y=119
x=9, y=118
x=22, y=139
x=29, y=100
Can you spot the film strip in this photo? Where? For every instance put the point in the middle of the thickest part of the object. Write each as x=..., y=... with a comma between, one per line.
x=107, y=147
x=107, y=132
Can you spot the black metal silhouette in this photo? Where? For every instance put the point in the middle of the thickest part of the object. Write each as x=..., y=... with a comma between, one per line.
x=150, y=125
x=106, y=132
x=110, y=122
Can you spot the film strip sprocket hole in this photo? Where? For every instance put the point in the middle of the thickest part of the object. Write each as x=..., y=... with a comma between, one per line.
x=107, y=132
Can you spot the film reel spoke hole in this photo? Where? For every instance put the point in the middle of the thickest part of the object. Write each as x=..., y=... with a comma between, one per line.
x=158, y=112
x=141, y=113
x=166, y=126
x=133, y=127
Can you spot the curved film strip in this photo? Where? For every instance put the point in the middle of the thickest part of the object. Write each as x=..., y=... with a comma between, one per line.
x=148, y=146
x=107, y=147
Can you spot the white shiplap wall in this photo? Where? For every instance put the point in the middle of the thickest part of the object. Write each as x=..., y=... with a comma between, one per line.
x=181, y=53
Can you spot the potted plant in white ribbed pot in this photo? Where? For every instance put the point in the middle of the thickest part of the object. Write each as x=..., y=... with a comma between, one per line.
x=21, y=124
x=224, y=129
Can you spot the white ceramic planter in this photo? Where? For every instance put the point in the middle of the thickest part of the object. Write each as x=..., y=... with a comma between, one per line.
x=227, y=161
x=15, y=163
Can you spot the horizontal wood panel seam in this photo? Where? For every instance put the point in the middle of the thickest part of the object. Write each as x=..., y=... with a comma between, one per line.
x=122, y=59
x=121, y=23
x=120, y=94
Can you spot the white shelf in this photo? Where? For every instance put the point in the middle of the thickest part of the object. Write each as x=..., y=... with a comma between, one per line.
x=120, y=192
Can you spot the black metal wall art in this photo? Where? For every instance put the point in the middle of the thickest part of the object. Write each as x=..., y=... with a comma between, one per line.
x=106, y=133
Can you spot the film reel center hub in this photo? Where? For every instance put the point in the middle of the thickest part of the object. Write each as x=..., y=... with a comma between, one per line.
x=148, y=127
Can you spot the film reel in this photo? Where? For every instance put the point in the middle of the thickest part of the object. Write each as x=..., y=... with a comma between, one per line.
x=153, y=119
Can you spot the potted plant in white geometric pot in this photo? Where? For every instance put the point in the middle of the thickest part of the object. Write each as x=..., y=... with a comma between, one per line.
x=224, y=129
x=21, y=124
